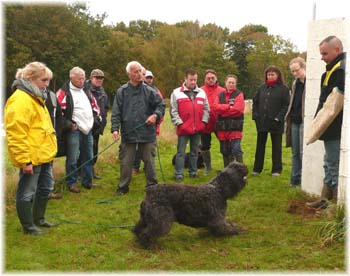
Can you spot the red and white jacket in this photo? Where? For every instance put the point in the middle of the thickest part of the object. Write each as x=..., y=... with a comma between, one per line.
x=189, y=116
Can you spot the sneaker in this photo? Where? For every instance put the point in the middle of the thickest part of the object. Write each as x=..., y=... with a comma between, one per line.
x=193, y=175
x=275, y=174
x=179, y=178
x=255, y=173
x=74, y=189
x=318, y=204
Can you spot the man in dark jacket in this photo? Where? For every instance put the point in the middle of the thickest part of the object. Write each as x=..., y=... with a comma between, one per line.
x=94, y=86
x=136, y=109
x=332, y=88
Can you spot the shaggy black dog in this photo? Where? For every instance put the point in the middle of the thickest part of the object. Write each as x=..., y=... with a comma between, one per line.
x=195, y=206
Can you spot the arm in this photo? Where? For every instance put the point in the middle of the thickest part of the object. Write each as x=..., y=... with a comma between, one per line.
x=174, y=114
x=116, y=115
x=206, y=110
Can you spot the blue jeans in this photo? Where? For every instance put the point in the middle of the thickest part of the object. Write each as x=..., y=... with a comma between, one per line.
x=181, y=151
x=36, y=185
x=331, y=163
x=297, y=152
x=231, y=147
x=79, y=144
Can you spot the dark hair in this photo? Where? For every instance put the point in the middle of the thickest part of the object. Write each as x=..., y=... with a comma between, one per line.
x=191, y=72
x=212, y=71
x=273, y=68
x=231, y=76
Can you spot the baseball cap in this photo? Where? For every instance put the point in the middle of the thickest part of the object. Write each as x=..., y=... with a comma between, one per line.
x=149, y=74
x=97, y=73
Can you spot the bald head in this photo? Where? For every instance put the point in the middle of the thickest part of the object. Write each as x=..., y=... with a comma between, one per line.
x=330, y=48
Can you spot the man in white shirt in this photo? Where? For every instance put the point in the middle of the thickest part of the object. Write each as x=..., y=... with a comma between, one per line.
x=79, y=108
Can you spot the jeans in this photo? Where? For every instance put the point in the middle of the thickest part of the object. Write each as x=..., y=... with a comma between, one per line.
x=81, y=144
x=127, y=157
x=297, y=152
x=331, y=163
x=231, y=147
x=36, y=185
x=181, y=151
x=276, y=139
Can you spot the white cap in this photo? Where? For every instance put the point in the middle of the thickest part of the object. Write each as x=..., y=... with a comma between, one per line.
x=148, y=74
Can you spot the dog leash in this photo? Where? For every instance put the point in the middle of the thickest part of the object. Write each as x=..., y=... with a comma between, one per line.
x=86, y=162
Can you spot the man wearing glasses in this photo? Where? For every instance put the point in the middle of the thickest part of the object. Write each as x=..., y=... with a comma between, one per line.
x=212, y=89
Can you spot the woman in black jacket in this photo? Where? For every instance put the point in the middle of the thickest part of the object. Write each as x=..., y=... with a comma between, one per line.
x=270, y=105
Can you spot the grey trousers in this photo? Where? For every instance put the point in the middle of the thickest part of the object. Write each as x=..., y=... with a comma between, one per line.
x=127, y=156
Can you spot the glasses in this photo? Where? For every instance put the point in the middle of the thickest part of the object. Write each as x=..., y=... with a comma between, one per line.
x=99, y=78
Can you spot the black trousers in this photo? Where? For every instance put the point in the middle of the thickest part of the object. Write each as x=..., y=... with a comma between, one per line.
x=96, y=138
x=276, y=139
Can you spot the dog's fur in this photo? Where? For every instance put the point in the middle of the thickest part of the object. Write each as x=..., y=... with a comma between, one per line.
x=195, y=206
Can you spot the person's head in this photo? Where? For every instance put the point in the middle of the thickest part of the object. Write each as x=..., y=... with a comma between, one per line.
x=330, y=48
x=37, y=73
x=149, y=77
x=191, y=78
x=96, y=77
x=77, y=77
x=272, y=73
x=134, y=71
x=231, y=83
x=210, y=77
x=297, y=67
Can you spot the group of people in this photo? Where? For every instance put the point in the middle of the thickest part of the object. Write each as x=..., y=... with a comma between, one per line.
x=38, y=128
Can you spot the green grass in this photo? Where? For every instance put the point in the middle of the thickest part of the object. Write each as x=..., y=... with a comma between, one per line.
x=273, y=240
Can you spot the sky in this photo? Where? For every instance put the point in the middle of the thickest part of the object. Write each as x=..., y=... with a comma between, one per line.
x=289, y=19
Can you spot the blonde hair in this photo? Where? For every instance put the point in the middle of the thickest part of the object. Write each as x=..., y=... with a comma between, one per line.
x=33, y=71
x=298, y=60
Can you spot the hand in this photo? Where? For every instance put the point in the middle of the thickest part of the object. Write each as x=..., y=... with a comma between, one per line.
x=231, y=102
x=151, y=120
x=28, y=169
x=276, y=120
x=115, y=135
x=74, y=126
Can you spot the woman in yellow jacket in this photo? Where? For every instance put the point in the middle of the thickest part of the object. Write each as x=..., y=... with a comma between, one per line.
x=32, y=145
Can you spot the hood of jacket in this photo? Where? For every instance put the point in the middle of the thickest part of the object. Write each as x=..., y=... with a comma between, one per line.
x=29, y=88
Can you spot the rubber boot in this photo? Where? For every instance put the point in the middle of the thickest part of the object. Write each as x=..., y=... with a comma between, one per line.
x=24, y=212
x=232, y=158
x=39, y=210
x=327, y=193
x=239, y=158
x=226, y=160
x=207, y=161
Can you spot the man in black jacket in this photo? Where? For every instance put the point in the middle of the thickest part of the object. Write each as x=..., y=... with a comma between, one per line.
x=94, y=85
x=332, y=88
x=136, y=109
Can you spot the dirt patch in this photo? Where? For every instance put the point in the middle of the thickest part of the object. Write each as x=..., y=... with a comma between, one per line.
x=298, y=207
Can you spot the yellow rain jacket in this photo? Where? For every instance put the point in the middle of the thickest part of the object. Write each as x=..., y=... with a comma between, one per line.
x=29, y=132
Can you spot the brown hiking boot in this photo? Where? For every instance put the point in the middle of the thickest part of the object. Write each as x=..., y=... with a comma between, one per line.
x=74, y=189
x=55, y=196
x=326, y=192
x=318, y=204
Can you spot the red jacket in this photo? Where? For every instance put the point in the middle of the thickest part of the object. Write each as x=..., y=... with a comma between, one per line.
x=189, y=116
x=212, y=93
x=227, y=111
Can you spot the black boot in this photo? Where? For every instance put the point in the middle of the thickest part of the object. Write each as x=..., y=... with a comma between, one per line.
x=39, y=210
x=239, y=158
x=226, y=160
x=24, y=212
x=207, y=161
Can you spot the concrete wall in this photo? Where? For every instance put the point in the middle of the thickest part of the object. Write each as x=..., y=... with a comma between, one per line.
x=312, y=174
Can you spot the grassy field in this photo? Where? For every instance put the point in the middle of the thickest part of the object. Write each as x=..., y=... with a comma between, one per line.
x=96, y=237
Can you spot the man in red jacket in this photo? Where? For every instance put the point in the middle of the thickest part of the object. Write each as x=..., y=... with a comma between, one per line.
x=189, y=111
x=212, y=89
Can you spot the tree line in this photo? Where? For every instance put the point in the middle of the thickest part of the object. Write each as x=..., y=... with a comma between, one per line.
x=64, y=36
